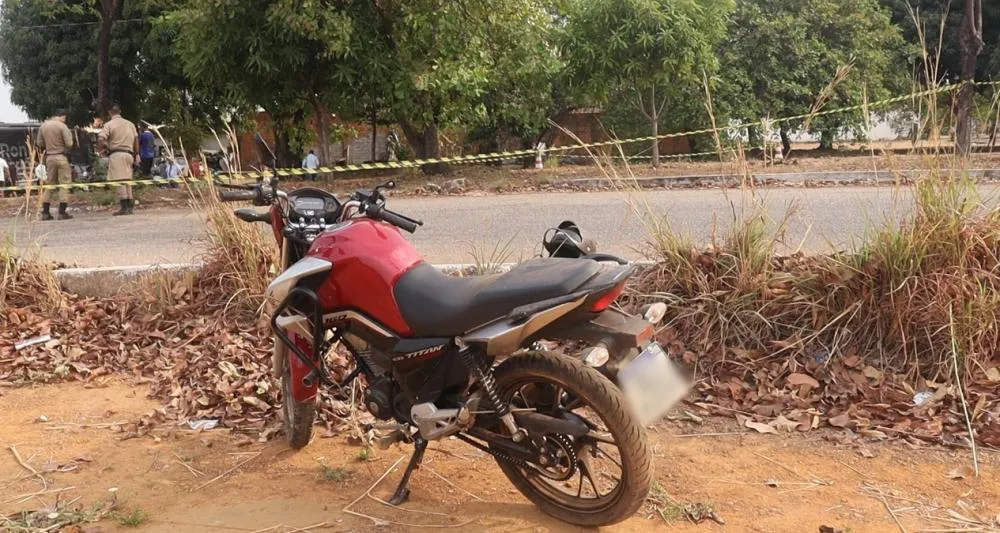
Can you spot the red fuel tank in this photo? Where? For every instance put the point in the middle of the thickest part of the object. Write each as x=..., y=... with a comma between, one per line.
x=368, y=258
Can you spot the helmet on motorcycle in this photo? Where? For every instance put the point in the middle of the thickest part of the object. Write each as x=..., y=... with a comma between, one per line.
x=565, y=240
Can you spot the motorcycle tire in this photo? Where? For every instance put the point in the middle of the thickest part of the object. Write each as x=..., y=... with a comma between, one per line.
x=298, y=416
x=603, y=398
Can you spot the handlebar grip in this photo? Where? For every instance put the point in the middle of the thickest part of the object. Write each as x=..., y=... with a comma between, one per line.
x=380, y=213
x=249, y=215
x=236, y=196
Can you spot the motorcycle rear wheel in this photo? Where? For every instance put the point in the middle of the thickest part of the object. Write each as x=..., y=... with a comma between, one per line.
x=298, y=416
x=552, y=384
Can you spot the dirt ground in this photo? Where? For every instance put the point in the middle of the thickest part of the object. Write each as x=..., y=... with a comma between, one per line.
x=759, y=483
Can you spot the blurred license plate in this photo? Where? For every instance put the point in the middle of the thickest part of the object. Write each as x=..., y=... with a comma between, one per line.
x=652, y=384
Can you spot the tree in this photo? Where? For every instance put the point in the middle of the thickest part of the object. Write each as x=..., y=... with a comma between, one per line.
x=650, y=51
x=51, y=54
x=42, y=60
x=930, y=15
x=970, y=40
x=108, y=10
x=284, y=56
x=781, y=57
x=436, y=63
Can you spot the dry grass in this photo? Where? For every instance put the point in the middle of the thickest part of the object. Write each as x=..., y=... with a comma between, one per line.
x=902, y=299
x=889, y=300
x=240, y=259
x=26, y=282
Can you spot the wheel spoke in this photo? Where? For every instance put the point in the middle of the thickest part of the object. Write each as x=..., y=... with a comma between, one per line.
x=602, y=436
x=579, y=490
x=524, y=398
x=606, y=454
x=585, y=470
x=576, y=403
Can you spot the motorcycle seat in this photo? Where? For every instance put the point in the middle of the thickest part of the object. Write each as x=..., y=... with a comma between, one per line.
x=434, y=304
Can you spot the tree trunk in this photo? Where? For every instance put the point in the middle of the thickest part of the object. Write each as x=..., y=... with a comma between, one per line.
x=414, y=138
x=786, y=143
x=324, y=130
x=432, y=150
x=754, y=138
x=826, y=139
x=374, y=132
x=426, y=143
x=970, y=41
x=109, y=9
x=654, y=122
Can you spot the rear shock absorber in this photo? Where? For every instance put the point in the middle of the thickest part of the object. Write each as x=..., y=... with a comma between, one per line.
x=489, y=384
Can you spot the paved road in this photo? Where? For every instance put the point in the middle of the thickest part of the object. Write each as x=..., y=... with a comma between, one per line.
x=817, y=220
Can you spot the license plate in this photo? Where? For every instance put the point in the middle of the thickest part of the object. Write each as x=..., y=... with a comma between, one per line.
x=652, y=384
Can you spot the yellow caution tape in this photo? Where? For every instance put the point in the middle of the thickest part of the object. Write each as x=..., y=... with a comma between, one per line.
x=498, y=156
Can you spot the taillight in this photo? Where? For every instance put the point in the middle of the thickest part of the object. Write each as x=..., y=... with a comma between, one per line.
x=609, y=298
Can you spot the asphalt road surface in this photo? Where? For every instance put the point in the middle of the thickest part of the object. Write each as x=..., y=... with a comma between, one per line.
x=818, y=220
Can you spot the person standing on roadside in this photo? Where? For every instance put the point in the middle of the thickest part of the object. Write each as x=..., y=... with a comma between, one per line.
x=56, y=141
x=5, y=175
x=311, y=162
x=121, y=140
x=147, y=151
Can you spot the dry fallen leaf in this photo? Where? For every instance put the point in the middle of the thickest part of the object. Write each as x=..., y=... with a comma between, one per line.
x=840, y=421
x=759, y=427
x=872, y=372
x=962, y=472
x=798, y=379
x=783, y=424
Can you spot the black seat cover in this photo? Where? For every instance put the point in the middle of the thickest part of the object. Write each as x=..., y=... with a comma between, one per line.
x=438, y=305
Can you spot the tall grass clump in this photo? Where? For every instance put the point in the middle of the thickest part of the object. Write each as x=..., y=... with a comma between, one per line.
x=240, y=260
x=903, y=298
x=26, y=282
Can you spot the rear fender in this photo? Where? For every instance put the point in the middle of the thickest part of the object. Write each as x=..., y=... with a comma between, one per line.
x=507, y=335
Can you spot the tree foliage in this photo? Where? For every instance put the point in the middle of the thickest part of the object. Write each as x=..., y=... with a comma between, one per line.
x=654, y=53
x=782, y=59
x=438, y=63
x=929, y=14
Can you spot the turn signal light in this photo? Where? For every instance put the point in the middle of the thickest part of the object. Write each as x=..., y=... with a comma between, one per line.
x=608, y=299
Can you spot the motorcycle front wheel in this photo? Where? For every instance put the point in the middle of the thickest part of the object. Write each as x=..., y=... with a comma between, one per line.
x=598, y=479
x=298, y=416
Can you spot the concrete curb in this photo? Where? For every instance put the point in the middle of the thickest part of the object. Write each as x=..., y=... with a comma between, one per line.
x=842, y=177
x=103, y=282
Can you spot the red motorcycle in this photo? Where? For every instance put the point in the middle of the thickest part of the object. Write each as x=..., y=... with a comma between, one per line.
x=449, y=356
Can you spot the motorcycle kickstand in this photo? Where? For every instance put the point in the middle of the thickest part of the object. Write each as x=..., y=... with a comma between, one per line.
x=402, y=491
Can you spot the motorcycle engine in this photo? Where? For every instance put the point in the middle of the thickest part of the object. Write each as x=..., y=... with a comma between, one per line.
x=378, y=398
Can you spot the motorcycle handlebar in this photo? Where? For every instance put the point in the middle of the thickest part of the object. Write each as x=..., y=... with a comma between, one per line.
x=237, y=196
x=404, y=223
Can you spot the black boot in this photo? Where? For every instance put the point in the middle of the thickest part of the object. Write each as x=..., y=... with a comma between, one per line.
x=46, y=215
x=63, y=215
x=122, y=208
x=131, y=206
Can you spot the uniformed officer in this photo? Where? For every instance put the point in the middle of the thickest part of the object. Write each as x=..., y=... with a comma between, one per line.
x=56, y=140
x=121, y=140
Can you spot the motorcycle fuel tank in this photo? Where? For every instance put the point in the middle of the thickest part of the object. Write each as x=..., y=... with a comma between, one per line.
x=368, y=259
